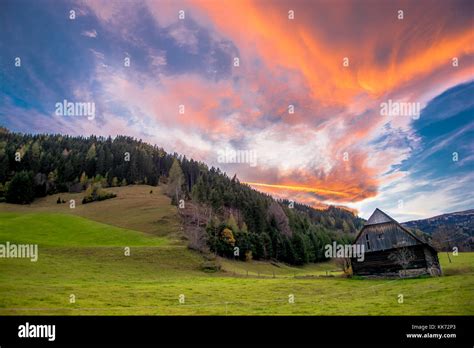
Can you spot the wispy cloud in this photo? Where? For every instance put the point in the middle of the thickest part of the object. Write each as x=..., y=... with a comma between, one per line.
x=89, y=33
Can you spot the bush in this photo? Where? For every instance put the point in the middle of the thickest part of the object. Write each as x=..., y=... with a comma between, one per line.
x=211, y=266
x=20, y=190
x=96, y=193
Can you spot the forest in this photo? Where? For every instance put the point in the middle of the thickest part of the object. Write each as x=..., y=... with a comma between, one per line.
x=220, y=214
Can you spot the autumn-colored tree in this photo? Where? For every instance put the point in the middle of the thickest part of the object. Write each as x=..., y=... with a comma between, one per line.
x=228, y=236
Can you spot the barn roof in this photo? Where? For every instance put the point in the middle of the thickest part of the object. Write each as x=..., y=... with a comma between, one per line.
x=378, y=217
x=380, y=222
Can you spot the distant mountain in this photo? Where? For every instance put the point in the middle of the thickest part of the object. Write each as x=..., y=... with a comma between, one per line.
x=448, y=230
x=463, y=220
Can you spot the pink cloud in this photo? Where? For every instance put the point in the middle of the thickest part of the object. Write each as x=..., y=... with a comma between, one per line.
x=299, y=62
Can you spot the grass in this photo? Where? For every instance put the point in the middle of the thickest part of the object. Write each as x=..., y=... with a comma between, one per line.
x=267, y=269
x=53, y=229
x=81, y=254
x=134, y=208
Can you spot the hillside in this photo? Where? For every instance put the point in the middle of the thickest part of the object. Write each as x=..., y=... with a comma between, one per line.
x=134, y=208
x=218, y=213
x=448, y=230
x=81, y=253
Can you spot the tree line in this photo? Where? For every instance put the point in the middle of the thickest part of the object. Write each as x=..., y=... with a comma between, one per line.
x=240, y=222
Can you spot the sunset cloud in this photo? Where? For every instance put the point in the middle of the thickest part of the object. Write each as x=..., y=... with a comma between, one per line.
x=333, y=147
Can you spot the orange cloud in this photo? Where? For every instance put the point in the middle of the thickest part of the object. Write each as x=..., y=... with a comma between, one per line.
x=385, y=54
x=362, y=31
x=299, y=188
x=300, y=62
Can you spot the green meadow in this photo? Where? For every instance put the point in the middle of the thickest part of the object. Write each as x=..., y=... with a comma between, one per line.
x=82, y=253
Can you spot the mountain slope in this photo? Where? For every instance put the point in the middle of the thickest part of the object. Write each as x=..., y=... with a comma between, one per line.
x=448, y=230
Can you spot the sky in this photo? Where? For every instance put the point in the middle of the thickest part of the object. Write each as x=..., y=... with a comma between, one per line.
x=299, y=87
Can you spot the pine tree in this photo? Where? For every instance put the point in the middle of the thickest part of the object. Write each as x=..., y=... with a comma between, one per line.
x=20, y=189
x=301, y=249
x=232, y=224
x=91, y=161
x=175, y=182
x=114, y=181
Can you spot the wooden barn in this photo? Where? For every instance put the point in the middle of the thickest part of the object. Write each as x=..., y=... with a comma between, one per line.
x=392, y=250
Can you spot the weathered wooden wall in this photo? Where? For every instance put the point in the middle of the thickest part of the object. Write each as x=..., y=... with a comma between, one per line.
x=384, y=236
x=378, y=263
x=432, y=262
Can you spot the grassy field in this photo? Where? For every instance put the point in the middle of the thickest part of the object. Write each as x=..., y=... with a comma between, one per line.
x=81, y=252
